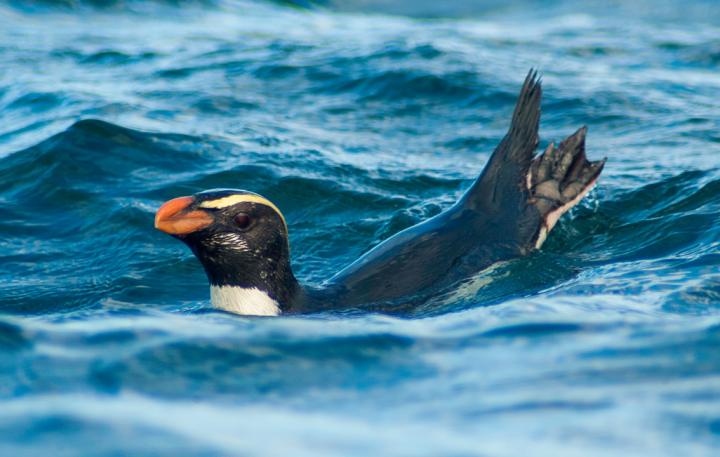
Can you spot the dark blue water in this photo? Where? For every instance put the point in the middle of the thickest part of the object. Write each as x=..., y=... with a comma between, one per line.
x=358, y=119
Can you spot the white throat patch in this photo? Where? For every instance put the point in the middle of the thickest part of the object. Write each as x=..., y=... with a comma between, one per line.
x=239, y=300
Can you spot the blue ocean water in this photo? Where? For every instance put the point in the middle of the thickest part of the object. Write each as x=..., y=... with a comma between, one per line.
x=357, y=118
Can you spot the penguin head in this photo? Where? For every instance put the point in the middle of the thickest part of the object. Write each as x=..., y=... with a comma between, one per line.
x=239, y=237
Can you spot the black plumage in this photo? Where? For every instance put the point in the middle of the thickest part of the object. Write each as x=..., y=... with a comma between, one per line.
x=506, y=213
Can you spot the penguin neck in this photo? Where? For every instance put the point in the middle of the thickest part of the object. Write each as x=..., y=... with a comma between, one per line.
x=247, y=301
x=251, y=285
x=255, y=299
x=271, y=294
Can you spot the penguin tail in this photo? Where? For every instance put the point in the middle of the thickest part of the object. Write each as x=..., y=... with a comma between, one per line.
x=526, y=194
x=559, y=178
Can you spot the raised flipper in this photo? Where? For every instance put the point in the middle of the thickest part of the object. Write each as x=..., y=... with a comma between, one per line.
x=526, y=195
x=506, y=213
x=500, y=186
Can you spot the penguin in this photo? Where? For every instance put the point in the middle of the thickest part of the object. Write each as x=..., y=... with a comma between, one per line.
x=241, y=238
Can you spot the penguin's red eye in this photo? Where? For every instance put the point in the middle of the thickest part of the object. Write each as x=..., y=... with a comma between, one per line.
x=243, y=221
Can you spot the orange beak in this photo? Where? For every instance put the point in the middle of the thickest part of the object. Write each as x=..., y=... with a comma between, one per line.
x=171, y=218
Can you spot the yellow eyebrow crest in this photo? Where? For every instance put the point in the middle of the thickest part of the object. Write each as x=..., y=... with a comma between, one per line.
x=230, y=200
